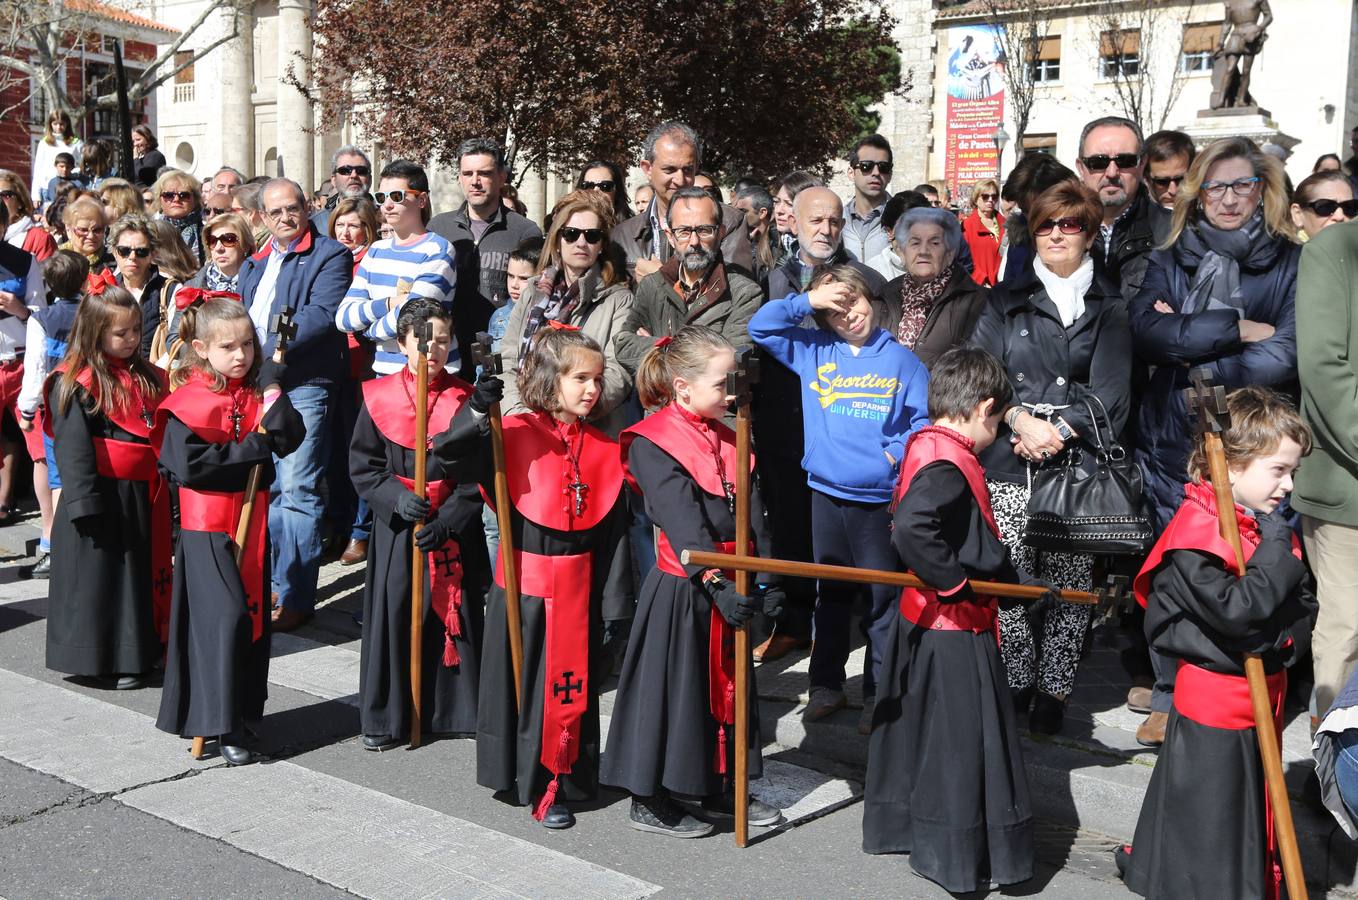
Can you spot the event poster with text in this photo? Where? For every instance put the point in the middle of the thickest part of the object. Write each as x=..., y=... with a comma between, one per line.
x=975, y=105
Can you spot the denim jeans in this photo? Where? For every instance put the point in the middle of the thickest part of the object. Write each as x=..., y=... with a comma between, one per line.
x=1346, y=770
x=297, y=502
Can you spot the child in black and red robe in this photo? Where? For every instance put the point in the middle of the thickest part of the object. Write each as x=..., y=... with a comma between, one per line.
x=575, y=581
x=217, y=662
x=1206, y=828
x=673, y=731
x=945, y=780
x=109, y=599
x=382, y=466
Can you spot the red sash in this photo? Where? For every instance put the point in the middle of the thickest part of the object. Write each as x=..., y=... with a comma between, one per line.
x=390, y=401
x=219, y=511
x=445, y=573
x=921, y=605
x=1222, y=701
x=542, y=477
x=129, y=461
x=563, y=582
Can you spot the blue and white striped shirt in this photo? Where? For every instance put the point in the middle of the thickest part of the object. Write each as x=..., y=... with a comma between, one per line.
x=427, y=261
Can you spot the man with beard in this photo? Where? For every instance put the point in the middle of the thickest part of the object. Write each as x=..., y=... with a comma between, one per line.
x=351, y=173
x=693, y=287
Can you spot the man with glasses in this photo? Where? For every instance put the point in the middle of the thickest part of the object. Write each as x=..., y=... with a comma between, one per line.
x=482, y=232
x=1112, y=163
x=1168, y=156
x=671, y=156
x=870, y=168
x=351, y=175
x=300, y=270
x=412, y=253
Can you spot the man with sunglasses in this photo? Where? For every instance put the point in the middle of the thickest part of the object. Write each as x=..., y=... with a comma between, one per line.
x=870, y=167
x=1168, y=156
x=1112, y=163
x=482, y=232
x=351, y=174
x=671, y=156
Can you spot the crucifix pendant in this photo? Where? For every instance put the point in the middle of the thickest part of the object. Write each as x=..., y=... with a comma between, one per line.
x=147, y=417
x=236, y=416
x=730, y=490
x=578, y=488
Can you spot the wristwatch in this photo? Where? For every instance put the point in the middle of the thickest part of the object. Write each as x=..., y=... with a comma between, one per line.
x=1063, y=428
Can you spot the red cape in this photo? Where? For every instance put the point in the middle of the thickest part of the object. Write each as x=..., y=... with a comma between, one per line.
x=208, y=413
x=128, y=416
x=932, y=444
x=689, y=440
x=391, y=404
x=540, y=475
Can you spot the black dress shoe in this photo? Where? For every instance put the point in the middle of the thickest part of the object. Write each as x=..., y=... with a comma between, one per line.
x=380, y=742
x=43, y=567
x=130, y=682
x=233, y=749
x=558, y=815
x=1048, y=714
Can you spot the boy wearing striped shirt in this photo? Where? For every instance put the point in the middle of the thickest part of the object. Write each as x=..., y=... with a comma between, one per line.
x=412, y=254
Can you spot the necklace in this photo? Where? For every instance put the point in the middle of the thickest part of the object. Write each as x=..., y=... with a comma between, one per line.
x=714, y=445
x=236, y=413
x=576, y=484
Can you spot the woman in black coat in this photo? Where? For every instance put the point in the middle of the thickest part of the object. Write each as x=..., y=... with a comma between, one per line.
x=1062, y=336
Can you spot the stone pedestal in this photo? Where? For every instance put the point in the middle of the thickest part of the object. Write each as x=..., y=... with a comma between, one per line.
x=1252, y=122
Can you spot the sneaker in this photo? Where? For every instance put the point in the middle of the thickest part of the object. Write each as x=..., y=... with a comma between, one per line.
x=661, y=815
x=761, y=814
x=822, y=702
x=43, y=567
x=865, y=717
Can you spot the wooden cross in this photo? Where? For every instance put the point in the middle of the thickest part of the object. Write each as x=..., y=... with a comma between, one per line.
x=286, y=329
x=483, y=356
x=424, y=334
x=1114, y=600
x=1207, y=403
x=740, y=382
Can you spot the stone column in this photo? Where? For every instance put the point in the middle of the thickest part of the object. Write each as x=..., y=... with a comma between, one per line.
x=238, y=84
x=294, y=112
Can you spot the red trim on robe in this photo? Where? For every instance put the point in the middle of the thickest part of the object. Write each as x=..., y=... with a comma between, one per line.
x=390, y=401
x=540, y=474
x=688, y=439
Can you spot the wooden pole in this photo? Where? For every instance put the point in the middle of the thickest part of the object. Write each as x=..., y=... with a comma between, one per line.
x=1208, y=403
x=416, y=555
x=739, y=387
x=491, y=364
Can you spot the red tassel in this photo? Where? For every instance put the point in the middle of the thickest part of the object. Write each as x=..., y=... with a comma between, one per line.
x=548, y=798
x=450, y=655
x=721, y=750
x=563, y=752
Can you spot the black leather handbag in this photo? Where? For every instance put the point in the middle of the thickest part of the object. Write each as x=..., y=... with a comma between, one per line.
x=1101, y=512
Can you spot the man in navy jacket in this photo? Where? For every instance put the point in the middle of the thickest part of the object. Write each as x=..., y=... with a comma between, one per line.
x=308, y=274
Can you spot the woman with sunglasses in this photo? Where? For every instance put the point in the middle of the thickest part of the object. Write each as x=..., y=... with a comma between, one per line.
x=579, y=286
x=1321, y=200
x=134, y=243
x=1061, y=332
x=607, y=179
x=176, y=199
x=24, y=231
x=984, y=231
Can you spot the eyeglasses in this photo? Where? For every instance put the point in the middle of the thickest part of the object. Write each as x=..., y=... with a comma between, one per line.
x=397, y=196
x=1100, y=161
x=867, y=165
x=89, y=232
x=365, y=171
x=1066, y=226
x=571, y=235
x=684, y=232
x=292, y=209
x=1241, y=187
x=988, y=196
x=606, y=186
x=1326, y=208
x=226, y=239
x=176, y=196
x=8, y=195
x=1166, y=181
x=138, y=252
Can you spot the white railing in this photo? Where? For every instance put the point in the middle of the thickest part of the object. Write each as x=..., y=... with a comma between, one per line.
x=183, y=93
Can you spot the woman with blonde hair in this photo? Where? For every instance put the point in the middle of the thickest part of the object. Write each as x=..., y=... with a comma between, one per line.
x=120, y=198
x=578, y=285
x=57, y=137
x=983, y=231
x=24, y=231
x=85, y=224
x=176, y=198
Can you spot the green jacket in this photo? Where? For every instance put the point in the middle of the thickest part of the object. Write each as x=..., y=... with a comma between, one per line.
x=1327, y=357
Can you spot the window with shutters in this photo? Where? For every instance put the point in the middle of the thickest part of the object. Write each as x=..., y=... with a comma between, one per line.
x=1200, y=42
x=1120, y=53
x=1047, y=60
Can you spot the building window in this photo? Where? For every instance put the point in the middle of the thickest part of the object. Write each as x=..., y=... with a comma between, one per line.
x=1200, y=42
x=1047, y=60
x=184, y=156
x=183, y=78
x=1120, y=53
x=1039, y=143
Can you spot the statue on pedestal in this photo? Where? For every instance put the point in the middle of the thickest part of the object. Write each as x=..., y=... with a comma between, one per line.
x=1243, y=32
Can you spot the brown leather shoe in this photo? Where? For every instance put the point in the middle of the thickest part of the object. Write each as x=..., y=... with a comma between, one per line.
x=1139, y=699
x=355, y=553
x=778, y=646
x=285, y=619
x=1152, y=731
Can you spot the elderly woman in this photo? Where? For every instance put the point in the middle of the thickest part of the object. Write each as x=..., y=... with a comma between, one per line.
x=23, y=231
x=934, y=306
x=577, y=285
x=1322, y=200
x=147, y=161
x=176, y=200
x=228, y=241
x=984, y=230
x=1219, y=295
x=134, y=244
x=1062, y=335
x=83, y=219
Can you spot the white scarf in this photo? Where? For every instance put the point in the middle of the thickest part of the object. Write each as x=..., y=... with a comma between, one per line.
x=17, y=231
x=1067, y=294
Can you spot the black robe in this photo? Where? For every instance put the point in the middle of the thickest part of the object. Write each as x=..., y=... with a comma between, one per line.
x=509, y=745
x=945, y=780
x=448, y=692
x=663, y=734
x=1201, y=832
x=216, y=674
x=99, y=615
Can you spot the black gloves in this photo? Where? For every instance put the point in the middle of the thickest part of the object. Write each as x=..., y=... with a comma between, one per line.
x=284, y=429
x=432, y=535
x=489, y=390
x=411, y=507
x=774, y=599
x=271, y=373
x=735, y=607
x=1274, y=526
x=87, y=526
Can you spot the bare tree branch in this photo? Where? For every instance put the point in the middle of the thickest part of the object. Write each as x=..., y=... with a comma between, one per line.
x=1147, y=94
x=1020, y=27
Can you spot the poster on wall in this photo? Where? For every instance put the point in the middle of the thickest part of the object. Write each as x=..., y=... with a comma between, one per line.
x=975, y=106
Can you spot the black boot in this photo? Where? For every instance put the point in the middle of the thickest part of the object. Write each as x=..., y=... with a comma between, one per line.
x=1048, y=714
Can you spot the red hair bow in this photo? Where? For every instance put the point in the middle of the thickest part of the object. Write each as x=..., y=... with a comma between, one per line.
x=663, y=342
x=562, y=326
x=188, y=296
x=99, y=282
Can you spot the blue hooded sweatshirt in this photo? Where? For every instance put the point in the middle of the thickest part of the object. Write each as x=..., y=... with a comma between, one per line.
x=855, y=405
